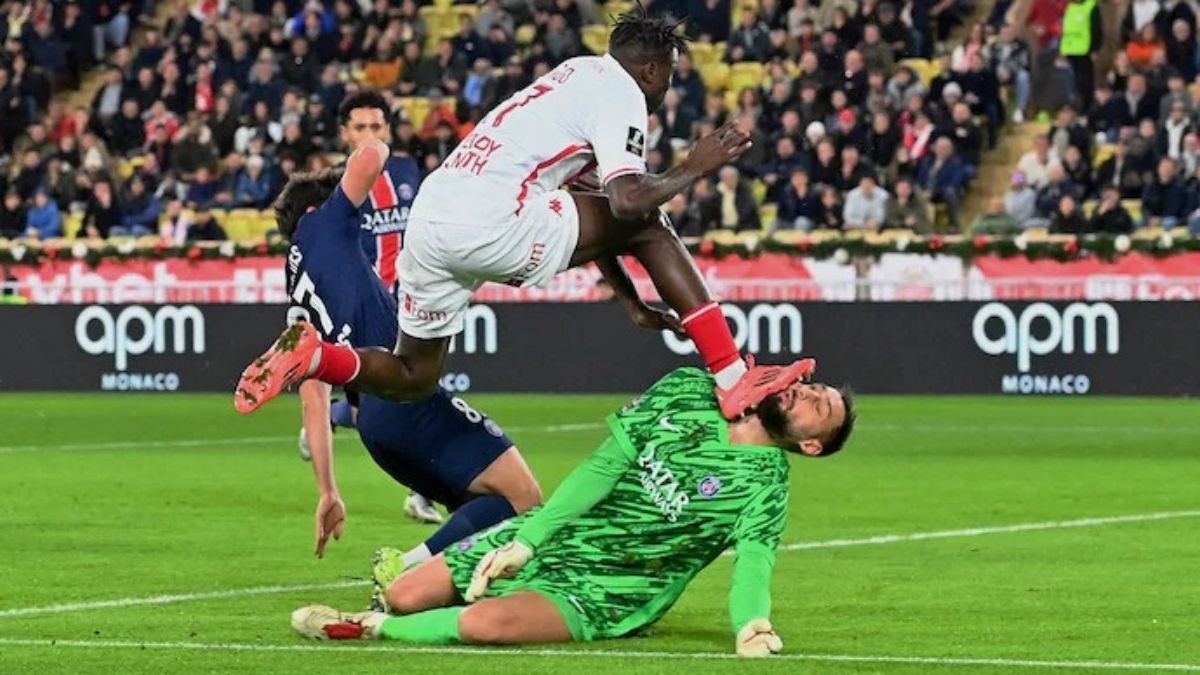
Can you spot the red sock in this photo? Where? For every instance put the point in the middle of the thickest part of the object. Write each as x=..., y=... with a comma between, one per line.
x=338, y=364
x=707, y=327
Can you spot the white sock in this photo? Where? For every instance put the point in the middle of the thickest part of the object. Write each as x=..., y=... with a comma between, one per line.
x=316, y=361
x=417, y=556
x=730, y=374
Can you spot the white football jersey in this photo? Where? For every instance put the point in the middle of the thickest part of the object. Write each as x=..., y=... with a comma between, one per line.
x=585, y=120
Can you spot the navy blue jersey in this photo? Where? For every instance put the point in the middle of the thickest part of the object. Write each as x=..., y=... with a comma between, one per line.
x=385, y=215
x=331, y=282
x=438, y=445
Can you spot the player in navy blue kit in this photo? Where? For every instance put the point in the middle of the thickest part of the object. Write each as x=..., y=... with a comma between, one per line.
x=363, y=118
x=439, y=446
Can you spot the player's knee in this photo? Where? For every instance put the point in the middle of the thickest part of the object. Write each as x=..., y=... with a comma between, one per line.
x=486, y=625
x=526, y=496
x=405, y=598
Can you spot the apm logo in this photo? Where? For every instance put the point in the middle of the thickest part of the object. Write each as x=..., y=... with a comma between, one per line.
x=763, y=329
x=1040, y=330
x=135, y=331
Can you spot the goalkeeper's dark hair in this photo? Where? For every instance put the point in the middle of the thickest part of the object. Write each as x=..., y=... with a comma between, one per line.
x=367, y=98
x=637, y=36
x=838, y=440
x=303, y=191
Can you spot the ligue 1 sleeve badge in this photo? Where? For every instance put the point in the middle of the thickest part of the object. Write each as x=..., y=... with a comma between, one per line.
x=709, y=487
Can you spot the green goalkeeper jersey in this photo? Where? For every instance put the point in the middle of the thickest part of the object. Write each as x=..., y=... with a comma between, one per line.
x=660, y=501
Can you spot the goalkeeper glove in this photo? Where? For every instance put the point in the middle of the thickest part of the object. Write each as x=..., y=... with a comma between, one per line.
x=757, y=638
x=502, y=562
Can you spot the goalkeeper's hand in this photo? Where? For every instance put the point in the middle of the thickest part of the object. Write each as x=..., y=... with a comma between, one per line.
x=502, y=562
x=757, y=638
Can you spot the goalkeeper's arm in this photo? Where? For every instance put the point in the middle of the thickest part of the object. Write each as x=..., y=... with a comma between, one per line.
x=582, y=489
x=757, y=536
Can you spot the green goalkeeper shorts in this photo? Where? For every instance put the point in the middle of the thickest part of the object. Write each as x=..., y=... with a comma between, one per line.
x=589, y=612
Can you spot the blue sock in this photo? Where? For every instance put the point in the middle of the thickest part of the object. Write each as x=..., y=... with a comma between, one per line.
x=341, y=413
x=478, y=514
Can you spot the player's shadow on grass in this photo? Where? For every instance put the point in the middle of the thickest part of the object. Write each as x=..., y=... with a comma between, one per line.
x=690, y=634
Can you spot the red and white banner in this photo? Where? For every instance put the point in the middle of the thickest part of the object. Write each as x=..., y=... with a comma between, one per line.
x=768, y=277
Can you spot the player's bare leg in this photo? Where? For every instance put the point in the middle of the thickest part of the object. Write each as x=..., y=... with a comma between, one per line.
x=602, y=237
x=523, y=618
x=509, y=477
x=426, y=587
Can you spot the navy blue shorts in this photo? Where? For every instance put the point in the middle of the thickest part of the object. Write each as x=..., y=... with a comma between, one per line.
x=436, y=446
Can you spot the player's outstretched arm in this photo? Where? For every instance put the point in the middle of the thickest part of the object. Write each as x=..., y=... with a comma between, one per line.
x=757, y=534
x=635, y=195
x=331, y=512
x=580, y=490
x=362, y=169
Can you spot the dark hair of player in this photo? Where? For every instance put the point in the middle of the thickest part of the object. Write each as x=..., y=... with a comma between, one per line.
x=303, y=191
x=368, y=98
x=639, y=37
x=838, y=440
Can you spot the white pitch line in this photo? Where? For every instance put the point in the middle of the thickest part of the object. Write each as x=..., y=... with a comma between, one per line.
x=597, y=654
x=173, y=598
x=249, y=440
x=799, y=546
x=980, y=531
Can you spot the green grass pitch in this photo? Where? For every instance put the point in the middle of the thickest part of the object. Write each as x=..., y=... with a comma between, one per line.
x=106, y=501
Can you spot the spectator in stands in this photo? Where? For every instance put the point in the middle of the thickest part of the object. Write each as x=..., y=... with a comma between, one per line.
x=943, y=176
x=205, y=227
x=139, y=210
x=1145, y=47
x=1082, y=37
x=107, y=100
x=1020, y=201
x=738, y=208
x=1069, y=131
x=1008, y=57
x=1035, y=164
x=829, y=217
x=1110, y=217
x=1165, y=199
x=968, y=139
x=43, y=220
x=125, y=131
x=799, y=204
x=996, y=221
x=12, y=216
x=102, y=212
x=1177, y=126
x=1051, y=194
x=1181, y=48
x=907, y=209
x=1067, y=217
x=865, y=205
x=780, y=167
x=1078, y=171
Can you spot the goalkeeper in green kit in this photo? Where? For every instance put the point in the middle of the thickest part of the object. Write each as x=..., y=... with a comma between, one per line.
x=671, y=488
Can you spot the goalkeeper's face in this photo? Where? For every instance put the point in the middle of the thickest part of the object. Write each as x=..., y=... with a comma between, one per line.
x=804, y=417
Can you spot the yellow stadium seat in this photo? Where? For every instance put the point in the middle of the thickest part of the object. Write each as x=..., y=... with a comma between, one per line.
x=704, y=54
x=1102, y=154
x=595, y=38
x=416, y=108
x=72, y=223
x=526, y=34
x=924, y=68
x=747, y=75
x=459, y=11
x=262, y=224
x=715, y=76
x=1134, y=207
x=443, y=4
x=759, y=189
x=615, y=8
x=768, y=213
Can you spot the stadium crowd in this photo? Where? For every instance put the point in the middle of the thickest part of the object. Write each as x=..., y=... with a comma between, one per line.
x=853, y=128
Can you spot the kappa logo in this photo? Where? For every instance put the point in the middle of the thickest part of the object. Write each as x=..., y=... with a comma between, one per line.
x=709, y=487
x=635, y=143
x=556, y=206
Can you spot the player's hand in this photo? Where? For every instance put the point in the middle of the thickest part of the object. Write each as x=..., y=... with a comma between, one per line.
x=645, y=316
x=331, y=518
x=501, y=562
x=717, y=149
x=757, y=639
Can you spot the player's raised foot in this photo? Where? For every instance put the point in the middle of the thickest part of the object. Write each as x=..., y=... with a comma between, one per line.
x=759, y=382
x=283, y=365
x=386, y=566
x=422, y=510
x=326, y=623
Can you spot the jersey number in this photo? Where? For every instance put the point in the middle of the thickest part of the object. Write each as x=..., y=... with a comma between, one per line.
x=305, y=294
x=473, y=416
x=534, y=91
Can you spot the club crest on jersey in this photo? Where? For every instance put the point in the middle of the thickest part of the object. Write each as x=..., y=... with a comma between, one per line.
x=466, y=544
x=636, y=142
x=405, y=192
x=709, y=487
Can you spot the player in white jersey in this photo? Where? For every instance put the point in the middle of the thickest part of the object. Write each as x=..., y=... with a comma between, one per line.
x=494, y=211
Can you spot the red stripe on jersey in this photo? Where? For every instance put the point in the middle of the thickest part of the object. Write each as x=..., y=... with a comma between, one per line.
x=621, y=171
x=387, y=250
x=539, y=90
x=383, y=192
x=537, y=170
